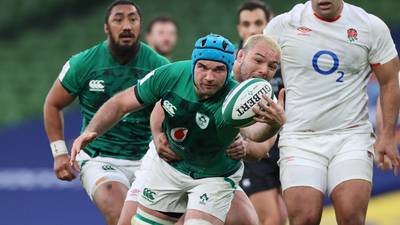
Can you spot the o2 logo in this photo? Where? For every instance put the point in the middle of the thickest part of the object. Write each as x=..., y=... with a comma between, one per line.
x=334, y=67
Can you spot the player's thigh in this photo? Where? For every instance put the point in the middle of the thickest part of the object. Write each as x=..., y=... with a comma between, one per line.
x=214, y=195
x=267, y=203
x=242, y=211
x=197, y=217
x=142, y=174
x=354, y=160
x=164, y=188
x=94, y=174
x=350, y=184
x=301, y=168
x=304, y=180
x=128, y=212
x=350, y=200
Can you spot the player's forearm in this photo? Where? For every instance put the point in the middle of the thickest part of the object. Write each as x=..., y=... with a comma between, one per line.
x=260, y=132
x=390, y=102
x=379, y=120
x=108, y=115
x=256, y=151
x=53, y=122
x=156, y=120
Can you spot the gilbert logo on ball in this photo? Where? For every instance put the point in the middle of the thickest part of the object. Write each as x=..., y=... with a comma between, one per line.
x=237, y=108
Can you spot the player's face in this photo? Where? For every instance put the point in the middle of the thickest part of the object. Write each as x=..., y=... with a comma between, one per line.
x=209, y=77
x=259, y=61
x=327, y=9
x=123, y=26
x=251, y=23
x=162, y=37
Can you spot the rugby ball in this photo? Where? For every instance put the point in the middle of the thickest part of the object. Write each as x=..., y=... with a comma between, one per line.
x=237, y=107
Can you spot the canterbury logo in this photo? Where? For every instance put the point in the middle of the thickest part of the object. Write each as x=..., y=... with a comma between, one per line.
x=96, y=85
x=107, y=167
x=169, y=108
x=149, y=194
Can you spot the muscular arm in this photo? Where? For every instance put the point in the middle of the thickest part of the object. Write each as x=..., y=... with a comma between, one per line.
x=108, y=114
x=269, y=121
x=113, y=110
x=156, y=119
x=57, y=99
x=159, y=137
x=255, y=151
x=389, y=103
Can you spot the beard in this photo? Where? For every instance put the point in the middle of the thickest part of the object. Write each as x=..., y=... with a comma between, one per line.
x=124, y=52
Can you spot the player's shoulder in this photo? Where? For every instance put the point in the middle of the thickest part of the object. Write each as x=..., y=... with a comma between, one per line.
x=363, y=18
x=88, y=57
x=148, y=54
x=282, y=20
x=176, y=70
x=177, y=67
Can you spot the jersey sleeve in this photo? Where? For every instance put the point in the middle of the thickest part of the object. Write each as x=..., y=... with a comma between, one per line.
x=275, y=27
x=382, y=48
x=70, y=78
x=150, y=89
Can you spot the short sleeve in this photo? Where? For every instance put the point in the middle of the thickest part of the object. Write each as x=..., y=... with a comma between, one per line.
x=149, y=89
x=275, y=27
x=382, y=48
x=70, y=78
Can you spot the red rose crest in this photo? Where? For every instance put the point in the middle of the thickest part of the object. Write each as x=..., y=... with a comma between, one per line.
x=352, y=35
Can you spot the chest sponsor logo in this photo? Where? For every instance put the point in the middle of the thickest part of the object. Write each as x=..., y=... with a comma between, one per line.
x=178, y=134
x=352, y=35
x=96, y=85
x=202, y=120
x=169, y=108
x=305, y=31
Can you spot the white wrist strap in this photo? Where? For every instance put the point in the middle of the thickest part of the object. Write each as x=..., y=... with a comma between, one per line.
x=58, y=148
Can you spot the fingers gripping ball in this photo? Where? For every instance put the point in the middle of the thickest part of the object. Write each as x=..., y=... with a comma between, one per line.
x=237, y=107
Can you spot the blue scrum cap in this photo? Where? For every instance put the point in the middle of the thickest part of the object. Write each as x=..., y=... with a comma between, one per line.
x=215, y=48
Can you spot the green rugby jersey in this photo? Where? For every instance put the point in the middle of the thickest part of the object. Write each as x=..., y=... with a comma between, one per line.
x=194, y=127
x=95, y=76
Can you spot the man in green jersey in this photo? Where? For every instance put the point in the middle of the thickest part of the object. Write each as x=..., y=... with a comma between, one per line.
x=192, y=93
x=108, y=164
x=259, y=57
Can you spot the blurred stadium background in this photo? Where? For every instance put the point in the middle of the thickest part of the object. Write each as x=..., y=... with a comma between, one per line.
x=38, y=36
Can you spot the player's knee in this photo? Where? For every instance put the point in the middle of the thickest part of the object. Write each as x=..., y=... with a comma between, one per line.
x=197, y=222
x=309, y=219
x=351, y=218
x=144, y=218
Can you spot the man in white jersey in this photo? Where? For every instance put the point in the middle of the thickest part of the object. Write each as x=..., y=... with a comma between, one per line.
x=328, y=50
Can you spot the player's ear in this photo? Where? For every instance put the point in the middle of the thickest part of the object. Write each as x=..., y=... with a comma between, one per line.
x=239, y=56
x=106, y=29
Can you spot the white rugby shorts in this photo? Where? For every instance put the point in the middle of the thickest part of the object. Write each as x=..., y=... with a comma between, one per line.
x=323, y=161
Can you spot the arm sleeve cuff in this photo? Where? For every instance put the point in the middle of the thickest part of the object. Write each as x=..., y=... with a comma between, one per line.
x=140, y=100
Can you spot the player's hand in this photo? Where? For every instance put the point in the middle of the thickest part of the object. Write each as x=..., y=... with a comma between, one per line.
x=386, y=154
x=237, y=149
x=82, y=141
x=62, y=169
x=163, y=148
x=274, y=115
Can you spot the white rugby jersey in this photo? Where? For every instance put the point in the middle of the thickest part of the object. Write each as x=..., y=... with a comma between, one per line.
x=326, y=67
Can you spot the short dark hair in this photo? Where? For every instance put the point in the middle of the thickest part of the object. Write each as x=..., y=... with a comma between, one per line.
x=121, y=2
x=252, y=5
x=160, y=19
